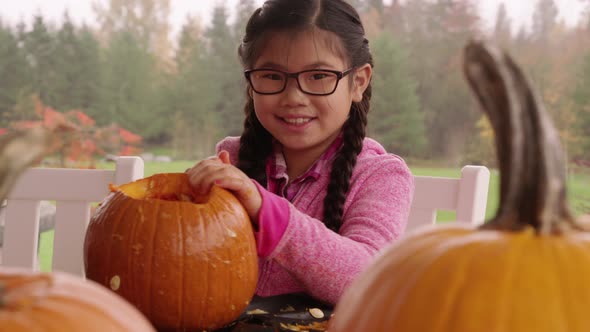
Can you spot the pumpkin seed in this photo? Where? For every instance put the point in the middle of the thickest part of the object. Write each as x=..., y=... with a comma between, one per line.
x=316, y=313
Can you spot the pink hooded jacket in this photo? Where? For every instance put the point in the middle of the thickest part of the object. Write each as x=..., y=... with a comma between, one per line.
x=298, y=253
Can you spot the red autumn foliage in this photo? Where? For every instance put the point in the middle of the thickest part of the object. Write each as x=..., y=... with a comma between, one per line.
x=82, y=118
x=82, y=141
x=129, y=137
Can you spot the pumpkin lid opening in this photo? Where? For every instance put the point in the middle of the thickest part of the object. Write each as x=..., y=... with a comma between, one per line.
x=164, y=186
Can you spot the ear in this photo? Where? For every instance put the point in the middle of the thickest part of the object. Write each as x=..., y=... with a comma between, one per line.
x=361, y=80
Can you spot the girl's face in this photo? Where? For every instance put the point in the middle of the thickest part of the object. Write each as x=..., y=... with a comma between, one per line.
x=305, y=123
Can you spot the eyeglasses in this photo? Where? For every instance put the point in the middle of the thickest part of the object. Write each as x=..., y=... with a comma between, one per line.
x=317, y=82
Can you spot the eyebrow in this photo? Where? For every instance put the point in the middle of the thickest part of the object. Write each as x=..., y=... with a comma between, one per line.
x=315, y=65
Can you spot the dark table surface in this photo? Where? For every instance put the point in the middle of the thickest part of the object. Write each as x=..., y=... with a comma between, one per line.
x=282, y=313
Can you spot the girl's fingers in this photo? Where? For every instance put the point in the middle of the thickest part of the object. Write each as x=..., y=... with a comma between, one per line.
x=230, y=183
x=203, y=170
x=202, y=176
x=210, y=158
x=219, y=171
x=246, y=193
x=224, y=157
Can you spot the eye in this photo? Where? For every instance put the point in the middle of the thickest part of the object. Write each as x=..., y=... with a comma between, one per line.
x=316, y=76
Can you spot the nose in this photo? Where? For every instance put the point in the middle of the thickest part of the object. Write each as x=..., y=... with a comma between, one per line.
x=292, y=84
x=292, y=94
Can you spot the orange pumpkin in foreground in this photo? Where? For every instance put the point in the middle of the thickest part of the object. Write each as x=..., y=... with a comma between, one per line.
x=527, y=269
x=186, y=262
x=31, y=301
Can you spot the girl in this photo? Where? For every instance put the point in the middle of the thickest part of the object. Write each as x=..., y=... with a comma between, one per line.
x=323, y=199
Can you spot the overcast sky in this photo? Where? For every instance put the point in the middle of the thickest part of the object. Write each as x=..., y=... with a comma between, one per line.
x=80, y=10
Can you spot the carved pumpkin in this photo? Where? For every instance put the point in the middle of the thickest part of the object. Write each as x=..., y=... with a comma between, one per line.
x=56, y=301
x=527, y=269
x=186, y=262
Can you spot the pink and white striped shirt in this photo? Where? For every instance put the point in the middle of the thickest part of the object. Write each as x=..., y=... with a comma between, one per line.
x=278, y=179
x=297, y=252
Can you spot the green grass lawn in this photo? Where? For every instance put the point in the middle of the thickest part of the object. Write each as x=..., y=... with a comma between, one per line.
x=578, y=191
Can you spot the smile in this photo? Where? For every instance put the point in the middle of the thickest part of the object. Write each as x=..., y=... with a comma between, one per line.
x=297, y=121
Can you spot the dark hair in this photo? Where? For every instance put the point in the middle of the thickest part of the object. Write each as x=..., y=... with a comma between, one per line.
x=335, y=16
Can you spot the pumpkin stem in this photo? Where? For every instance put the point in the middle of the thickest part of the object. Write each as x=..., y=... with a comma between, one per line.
x=530, y=157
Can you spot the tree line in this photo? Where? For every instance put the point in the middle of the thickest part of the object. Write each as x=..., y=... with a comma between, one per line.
x=187, y=92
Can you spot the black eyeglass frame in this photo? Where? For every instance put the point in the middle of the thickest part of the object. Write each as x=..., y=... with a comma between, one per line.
x=339, y=75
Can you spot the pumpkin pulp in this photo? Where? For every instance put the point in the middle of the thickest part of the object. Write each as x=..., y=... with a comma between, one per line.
x=168, y=187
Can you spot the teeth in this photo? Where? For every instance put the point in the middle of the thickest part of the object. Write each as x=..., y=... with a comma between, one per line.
x=297, y=121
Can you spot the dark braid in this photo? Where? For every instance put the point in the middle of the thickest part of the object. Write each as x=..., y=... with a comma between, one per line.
x=255, y=146
x=354, y=131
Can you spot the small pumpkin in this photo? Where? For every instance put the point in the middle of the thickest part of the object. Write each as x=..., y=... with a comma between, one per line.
x=32, y=301
x=527, y=269
x=187, y=262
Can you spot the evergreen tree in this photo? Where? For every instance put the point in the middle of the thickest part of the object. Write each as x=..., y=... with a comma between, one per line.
x=140, y=28
x=394, y=20
x=522, y=38
x=244, y=10
x=39, y=44
x=90, y=71
x=77, y=58
x=227, y=74
x=359, y=5
x=193, y=97
x=540, y=66
x=129, y=92
x=146, y=20
x=14, y=70
x=502, y=26
x=544, y=20
x=436, y=32
x=582, y=101
x=395, y=118
x=26, y=98
x=67, y=61
x=377, y=5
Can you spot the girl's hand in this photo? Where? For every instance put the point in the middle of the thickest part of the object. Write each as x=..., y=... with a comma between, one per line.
x=219, y=170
